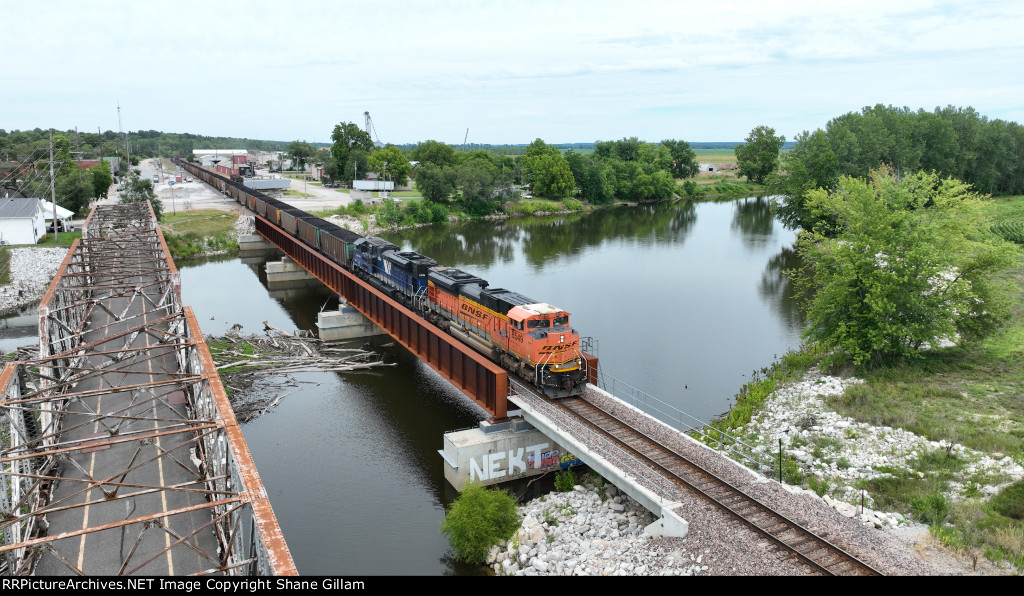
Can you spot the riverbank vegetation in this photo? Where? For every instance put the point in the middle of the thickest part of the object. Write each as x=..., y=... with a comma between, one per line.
x=199, y=233
x=914, y=274
x=479, y=519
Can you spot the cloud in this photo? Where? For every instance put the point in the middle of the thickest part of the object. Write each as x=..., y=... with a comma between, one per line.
x=565, y=71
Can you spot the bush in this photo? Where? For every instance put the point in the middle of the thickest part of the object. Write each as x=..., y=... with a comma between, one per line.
x=479, y=519
x=390, y=215
x=565, y=481
x=356, y=208
x=573, y=205
x=438, y=213
x=931, y=509
x=417, y=212
x=1010, y=501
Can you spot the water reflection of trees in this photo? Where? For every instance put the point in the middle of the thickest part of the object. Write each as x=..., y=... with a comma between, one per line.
x=753, y=219
x=472, y=243
x=779, y=291
x=547, y=238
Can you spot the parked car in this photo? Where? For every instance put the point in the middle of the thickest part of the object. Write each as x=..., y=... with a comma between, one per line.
x=62, y=226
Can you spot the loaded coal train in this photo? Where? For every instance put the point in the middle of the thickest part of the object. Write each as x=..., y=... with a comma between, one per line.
x=531, y=339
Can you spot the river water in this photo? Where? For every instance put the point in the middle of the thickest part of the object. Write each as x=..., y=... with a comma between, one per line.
x=685, y=301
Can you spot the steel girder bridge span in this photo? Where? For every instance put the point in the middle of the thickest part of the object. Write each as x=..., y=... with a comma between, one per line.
x=119, y=451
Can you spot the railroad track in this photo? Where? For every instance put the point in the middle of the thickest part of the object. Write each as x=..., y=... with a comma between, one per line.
x=815, y=551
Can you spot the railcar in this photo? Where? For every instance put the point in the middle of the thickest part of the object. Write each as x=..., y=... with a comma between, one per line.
x=289, y=220
x=309, y=230
x=338, y=243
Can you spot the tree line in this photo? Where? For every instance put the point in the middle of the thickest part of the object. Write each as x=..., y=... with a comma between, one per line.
x=481, y=180
x=19, y=145
x=955, y=142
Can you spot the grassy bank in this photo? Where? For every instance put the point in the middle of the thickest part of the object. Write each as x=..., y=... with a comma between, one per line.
x=204, y=232
x=65, y=239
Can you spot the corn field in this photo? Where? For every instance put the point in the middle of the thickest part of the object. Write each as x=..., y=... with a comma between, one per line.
x=1012, y=230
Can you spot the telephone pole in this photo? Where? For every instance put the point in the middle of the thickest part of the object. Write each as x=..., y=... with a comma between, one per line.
x=53, y=195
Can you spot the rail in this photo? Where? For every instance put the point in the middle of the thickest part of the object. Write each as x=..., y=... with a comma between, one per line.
x=684, y=422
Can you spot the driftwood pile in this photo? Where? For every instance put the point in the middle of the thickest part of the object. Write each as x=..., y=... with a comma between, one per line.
x=257, y=373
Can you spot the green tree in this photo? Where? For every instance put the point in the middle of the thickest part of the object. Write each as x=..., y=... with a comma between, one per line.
x=435, y=152
x=101, y=179
x=301, y=153
x=810, y=165
x=478, y=179
x=391, y=161
x=899, y=262
x=351, y=147
x=435, y=183
x=551, y=176
x=72, y=187
x=682, y=159
x=479, y=519
x=142, y=190
x=758, y=157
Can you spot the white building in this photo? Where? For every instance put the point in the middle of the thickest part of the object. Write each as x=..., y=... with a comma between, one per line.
x=22, y=221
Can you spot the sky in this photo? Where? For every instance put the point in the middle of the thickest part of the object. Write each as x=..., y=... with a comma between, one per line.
x=563, y=71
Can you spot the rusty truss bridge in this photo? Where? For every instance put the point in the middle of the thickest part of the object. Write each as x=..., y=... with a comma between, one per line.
x=119, y=452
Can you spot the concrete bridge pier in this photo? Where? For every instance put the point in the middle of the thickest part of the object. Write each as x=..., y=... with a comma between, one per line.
x=345, y=323
x=499, y=452
x=286, y=274
x=253, y=248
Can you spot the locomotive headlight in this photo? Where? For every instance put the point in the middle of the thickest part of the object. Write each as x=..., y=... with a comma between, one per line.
x=561, y=339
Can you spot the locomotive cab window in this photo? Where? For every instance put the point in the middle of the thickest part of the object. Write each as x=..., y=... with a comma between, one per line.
x=517, y=324
x=561, y=321
x=538, y=324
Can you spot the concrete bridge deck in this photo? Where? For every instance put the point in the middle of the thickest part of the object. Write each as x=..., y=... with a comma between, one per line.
x=120, y=453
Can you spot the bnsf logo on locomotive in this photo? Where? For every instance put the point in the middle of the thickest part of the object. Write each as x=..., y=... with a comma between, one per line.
x=557, y=348
x=473, y=311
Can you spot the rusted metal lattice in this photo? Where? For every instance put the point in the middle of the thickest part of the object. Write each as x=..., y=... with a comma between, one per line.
x=119, y=453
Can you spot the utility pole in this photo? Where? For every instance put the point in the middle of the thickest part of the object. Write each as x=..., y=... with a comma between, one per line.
x=127, y=143
x=53, y=195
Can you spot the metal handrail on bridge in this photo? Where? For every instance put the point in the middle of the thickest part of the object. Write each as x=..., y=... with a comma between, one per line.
x=678, y=419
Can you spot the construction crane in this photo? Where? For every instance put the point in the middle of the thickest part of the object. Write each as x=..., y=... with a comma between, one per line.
x=370, y=127
x=464, y=140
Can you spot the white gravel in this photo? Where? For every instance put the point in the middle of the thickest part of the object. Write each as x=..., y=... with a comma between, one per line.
x=32, y=270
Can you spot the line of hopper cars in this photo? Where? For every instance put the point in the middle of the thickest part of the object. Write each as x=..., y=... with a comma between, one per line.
x=529, y=338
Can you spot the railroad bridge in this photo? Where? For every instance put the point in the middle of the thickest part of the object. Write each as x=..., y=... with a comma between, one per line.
x=480, y=379
x=120, y=453
x=651, y=474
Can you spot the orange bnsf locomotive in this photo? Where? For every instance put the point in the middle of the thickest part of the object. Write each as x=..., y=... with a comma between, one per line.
x=527, y=337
